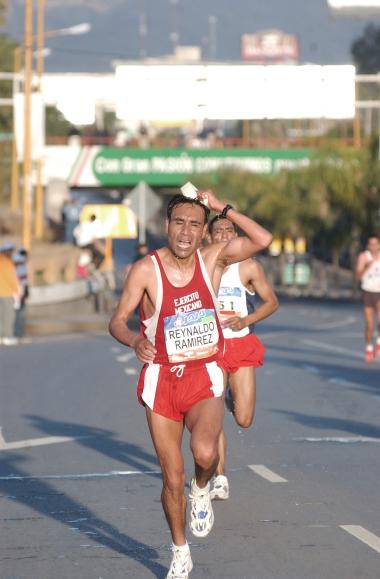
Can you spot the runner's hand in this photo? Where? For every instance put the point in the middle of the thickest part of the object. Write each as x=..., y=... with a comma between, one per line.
x=235, y=323
x=212, y=202
x=145, y=351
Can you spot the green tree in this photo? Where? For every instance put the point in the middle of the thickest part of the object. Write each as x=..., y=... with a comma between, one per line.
x=366, y=50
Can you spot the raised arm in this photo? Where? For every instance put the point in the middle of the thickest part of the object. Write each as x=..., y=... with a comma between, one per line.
x=135, y=286
x=256, y=237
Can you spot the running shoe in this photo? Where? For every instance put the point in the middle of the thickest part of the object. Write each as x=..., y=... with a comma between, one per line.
x=201, y=513
x=369, y=356
x=181, y=564
x=228, y=400
x=220, y=489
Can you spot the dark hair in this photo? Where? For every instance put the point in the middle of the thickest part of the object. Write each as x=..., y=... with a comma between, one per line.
x=215, y=219
x=181, y=200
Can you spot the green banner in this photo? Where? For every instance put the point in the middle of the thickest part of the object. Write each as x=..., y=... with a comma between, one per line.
x=165, y=167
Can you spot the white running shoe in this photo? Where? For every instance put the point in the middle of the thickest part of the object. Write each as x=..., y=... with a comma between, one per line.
x=201, y=513
x=181, y=564
x=220, y=488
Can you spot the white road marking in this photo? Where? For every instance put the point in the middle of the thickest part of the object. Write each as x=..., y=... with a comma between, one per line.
x=312, y=369
x=331, y=348
x=341, y=381
x=363, y=535
x=338, y=324
x=80, y=476
x=126, y=357
x=130, y=371
x=266, y=473
x=31, y=442
x=341, y=439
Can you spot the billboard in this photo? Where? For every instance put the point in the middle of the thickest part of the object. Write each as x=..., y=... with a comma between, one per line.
x=355, y=6
x=270, y=47
x=242, y=91
x=126, y=167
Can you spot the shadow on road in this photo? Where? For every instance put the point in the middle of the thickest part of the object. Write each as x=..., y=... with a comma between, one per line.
x=331, y=423
x=97, y=439
x=50, y=502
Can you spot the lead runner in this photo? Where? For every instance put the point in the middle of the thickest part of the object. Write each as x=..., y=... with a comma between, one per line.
x=181, y=346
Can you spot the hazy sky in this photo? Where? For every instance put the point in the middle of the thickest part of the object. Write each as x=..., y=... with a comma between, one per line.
x=324, y=38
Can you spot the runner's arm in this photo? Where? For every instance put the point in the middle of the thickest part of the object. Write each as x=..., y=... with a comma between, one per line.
x=269, y=305
x=240, y=248
x=362, y=265
x=135, y=286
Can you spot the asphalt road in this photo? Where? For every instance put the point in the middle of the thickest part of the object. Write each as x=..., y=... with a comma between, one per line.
x=80, y=485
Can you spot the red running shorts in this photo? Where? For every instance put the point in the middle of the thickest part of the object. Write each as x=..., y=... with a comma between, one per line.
x=172, y=390
x=244, y=351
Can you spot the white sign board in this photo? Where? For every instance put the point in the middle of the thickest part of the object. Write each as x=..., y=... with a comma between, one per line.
x=188, y=92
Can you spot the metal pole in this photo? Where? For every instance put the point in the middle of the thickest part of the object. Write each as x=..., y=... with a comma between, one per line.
x=39, y=221
x=15, y=200
x=27, y=166
x=142, y=212
x=357, y=129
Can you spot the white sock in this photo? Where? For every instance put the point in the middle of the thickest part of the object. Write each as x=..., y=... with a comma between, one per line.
x=369, y=348
x=199, y=491
x=378, y=340
x=184, y=547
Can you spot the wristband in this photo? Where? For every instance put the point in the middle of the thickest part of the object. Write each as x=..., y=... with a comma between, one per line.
x=223, y=215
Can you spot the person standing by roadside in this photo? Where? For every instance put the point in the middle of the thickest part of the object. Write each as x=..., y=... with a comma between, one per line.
x=368, y=273
x=10, y=295
x=181, y=346
x=20, y=259
x=244, y=352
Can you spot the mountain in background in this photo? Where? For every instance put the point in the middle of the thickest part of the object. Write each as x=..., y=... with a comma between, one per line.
x=324, y=38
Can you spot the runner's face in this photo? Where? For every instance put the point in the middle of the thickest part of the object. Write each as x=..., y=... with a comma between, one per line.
x=222, y=230
x=374, y=245
x=186, y=230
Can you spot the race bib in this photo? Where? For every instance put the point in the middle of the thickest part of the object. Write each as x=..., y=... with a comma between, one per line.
x=230, y=301
x=191, y=336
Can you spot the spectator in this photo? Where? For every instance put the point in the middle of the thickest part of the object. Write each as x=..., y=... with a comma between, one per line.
x=90, y=235
x=9, y=295
x=20, y=259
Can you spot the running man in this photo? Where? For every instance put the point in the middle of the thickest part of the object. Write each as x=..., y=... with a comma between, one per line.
x=243, y=350
x=368, y=272
x=181, y=345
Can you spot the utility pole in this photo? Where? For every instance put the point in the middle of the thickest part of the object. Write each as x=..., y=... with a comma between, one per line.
x=15, y=180
x=39, y=217
x=174, y=36
x=27, y=164
x=143, y=32
x=212, y=21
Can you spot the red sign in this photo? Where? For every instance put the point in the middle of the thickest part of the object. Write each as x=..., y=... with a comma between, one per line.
x=270, y=47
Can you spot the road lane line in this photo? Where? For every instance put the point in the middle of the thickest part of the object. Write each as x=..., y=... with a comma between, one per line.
x=79, y=476
x=363, y=535
x=35, y=441
x=266, y=473
x=338, y=324
x=126, y=357
x=341, y=439
x=331, y=348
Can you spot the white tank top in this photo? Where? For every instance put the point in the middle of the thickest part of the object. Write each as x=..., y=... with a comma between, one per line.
x=232, y=300
x=371, y=279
